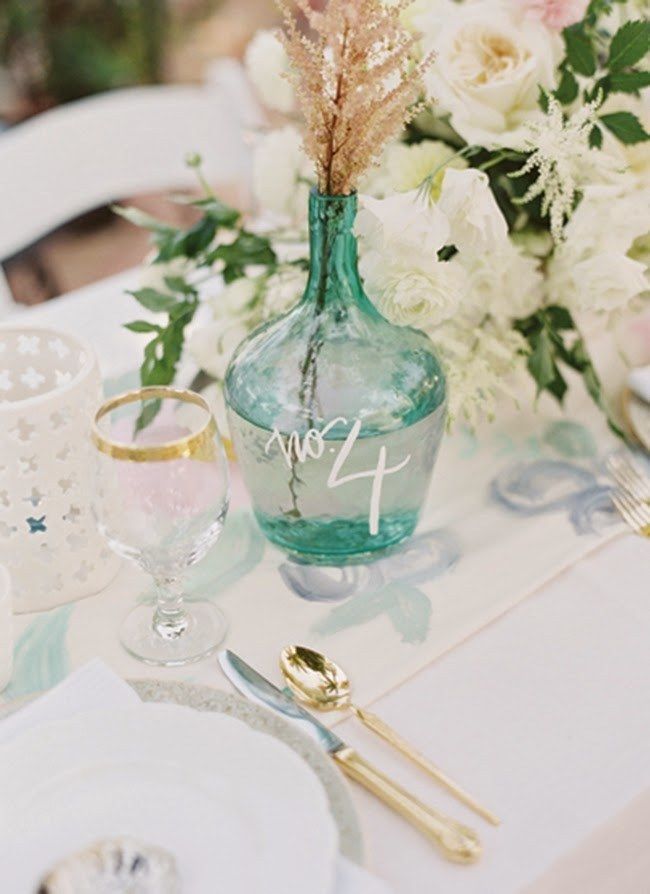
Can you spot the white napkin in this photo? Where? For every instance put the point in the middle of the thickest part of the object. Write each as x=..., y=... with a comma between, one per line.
x=96, y=684
x=639, y=382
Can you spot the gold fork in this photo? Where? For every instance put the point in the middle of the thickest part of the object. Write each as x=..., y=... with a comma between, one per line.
x=635, y=512
x=629, y=478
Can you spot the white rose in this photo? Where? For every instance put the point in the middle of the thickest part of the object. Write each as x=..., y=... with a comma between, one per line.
x=213, y=345
x=411, y=290
x=282, y=175
x=283, y=290
x=490, y=60
x=267, y=64
x=404, y=221
x=603, y=284
x=477, y=224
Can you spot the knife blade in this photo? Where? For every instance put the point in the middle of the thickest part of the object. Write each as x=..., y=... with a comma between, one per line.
x=456, y=841
x=259, y=690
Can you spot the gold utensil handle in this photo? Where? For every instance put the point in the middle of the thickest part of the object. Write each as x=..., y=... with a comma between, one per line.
x=377, y=725
x=457, y=842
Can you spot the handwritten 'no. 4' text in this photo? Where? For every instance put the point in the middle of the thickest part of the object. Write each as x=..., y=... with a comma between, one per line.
x=313, y=446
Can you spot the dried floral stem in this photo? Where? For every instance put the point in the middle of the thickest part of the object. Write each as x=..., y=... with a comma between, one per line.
x=356, y=81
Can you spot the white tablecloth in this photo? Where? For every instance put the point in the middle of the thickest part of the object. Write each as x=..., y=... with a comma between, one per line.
x=544, y=715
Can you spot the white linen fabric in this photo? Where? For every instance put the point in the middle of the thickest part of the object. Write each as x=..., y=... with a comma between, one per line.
x=95, y=685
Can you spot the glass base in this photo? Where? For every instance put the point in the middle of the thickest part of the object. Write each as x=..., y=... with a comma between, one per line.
x=336, y=541
x=201, y=633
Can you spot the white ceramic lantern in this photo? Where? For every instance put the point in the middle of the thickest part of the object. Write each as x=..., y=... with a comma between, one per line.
x=6, y=630
x=49, y=388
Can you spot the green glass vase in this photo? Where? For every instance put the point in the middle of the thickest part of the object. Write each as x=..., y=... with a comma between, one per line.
x=336, y=415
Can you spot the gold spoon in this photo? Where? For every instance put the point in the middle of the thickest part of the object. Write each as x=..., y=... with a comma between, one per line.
x=320, y=683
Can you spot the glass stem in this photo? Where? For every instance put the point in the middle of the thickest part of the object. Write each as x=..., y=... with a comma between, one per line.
x=170, y=619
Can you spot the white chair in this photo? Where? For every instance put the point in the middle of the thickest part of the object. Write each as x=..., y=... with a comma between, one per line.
x=88, y=153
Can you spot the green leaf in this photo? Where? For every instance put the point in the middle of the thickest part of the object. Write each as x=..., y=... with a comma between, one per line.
x=626, y=127
x=181, y=310
x=558, y=317
x=542, y=99
x=554, y=338
x=567, y=90
x=154, y=300
x=178, y=284
x=595, y=137
x=199, y=237
x=223, y=214
x=141, y=219
x=246, y=250
x=153, y=370
x=189, y=243
x=540, y=361
x=149, y=411
x=142, y=326
x=629, y=45
x=558, y=387
x=580, y=52
x=628, y=81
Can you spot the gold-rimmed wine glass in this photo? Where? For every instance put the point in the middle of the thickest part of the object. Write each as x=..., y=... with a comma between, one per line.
x=161, y=490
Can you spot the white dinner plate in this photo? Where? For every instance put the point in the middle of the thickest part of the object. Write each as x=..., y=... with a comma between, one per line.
x=228, y=803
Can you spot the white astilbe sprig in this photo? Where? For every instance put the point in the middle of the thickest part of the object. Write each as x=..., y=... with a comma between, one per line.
x=481, y=364
x=564, y=161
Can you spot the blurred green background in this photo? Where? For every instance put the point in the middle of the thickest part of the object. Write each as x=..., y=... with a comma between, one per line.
x=54, y=51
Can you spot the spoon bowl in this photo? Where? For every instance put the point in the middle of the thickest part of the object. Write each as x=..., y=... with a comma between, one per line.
x=314, y=679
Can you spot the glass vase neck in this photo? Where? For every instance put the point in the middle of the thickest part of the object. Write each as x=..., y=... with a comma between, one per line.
x=333, y=271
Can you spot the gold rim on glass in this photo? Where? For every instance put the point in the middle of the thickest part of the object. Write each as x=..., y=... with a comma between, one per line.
x=200, y=445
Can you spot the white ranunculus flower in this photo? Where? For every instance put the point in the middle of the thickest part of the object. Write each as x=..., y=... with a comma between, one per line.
x=404, y=168
x=282, y=175
x=609, y=218
x=592, y=270
x=235, y=298
x=283, y=290
x=504, y=283
x=402, y=222
x=477, y=224
x=213, y=345
x=491, y=59
x=266, y=65
x=411, y=289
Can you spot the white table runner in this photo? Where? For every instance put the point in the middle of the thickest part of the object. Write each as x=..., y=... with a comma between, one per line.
x=510, y=507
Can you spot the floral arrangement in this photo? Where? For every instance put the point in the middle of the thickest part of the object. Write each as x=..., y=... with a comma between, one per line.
x=508, y=216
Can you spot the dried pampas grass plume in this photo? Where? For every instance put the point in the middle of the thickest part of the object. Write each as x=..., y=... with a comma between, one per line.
x=356, y=82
